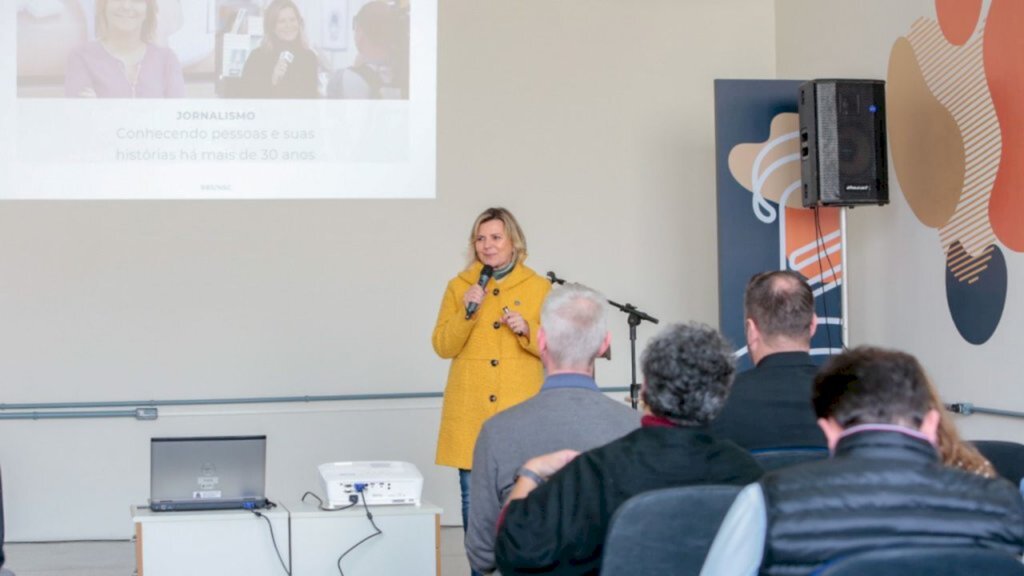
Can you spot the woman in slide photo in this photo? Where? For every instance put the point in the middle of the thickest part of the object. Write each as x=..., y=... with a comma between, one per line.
x=123, y=61
x=284, y=66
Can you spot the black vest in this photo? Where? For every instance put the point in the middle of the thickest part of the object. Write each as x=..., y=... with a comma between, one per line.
x=882, y=489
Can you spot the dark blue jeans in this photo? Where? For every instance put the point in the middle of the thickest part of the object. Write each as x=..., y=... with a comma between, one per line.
x=464, y=486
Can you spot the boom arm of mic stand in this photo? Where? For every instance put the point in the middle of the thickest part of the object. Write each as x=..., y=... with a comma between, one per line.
x=634, y=311
x=635, y=318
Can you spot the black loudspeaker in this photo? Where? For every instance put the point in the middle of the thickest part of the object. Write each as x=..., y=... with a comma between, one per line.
x=843, y=159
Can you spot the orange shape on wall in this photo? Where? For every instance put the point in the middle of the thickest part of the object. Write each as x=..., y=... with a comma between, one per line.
x=1004, y=67
x=958, y=19
x=824, y=261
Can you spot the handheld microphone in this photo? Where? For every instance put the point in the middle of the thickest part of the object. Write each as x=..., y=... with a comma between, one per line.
x=507, y=311
x=485, y=276
x=284, y=60
x=555, y=279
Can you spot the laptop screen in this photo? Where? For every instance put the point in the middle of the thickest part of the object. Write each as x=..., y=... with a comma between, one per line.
x=207, y=472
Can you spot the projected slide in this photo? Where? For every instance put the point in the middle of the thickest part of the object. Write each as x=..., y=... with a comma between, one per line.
x=220, y=99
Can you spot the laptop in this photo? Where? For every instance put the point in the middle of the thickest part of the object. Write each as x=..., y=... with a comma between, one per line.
x=207, y=473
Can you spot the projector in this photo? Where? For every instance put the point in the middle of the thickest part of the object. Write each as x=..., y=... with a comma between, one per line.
x=378, y=482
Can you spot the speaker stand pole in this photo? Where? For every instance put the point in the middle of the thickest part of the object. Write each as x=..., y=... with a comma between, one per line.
x=844, y=286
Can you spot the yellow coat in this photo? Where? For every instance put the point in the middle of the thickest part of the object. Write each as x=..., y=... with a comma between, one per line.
x=492, y=368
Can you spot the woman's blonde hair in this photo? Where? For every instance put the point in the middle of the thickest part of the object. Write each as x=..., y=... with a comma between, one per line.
x=954, y=451
x=148, y=25
x=512, y=230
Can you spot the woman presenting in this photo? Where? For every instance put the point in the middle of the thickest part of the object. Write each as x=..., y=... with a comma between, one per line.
x=495, y=361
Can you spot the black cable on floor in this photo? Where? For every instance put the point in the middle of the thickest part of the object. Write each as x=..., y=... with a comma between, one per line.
x=273, y=539
x=377, y=532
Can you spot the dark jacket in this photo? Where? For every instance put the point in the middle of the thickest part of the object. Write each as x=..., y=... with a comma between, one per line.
x=770, y=405
x=883, y=488
x=299, y=80
x=560, y=528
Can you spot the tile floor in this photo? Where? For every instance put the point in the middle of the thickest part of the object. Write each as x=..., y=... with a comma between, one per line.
x=117, y=558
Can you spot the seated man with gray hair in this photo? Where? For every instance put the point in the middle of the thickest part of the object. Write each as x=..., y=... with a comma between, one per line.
x=569, y=412
x=561, y=504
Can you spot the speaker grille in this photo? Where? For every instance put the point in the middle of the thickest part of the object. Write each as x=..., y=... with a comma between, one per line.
x=843, y=134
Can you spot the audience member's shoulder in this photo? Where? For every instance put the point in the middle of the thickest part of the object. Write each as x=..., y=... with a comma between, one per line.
x=727, y=444
x=998, y=487
x=734, y=461
x=810, y=467
x=627, y=442
x=745, y=376
x=732, y=449
x=996, y=491
x=623, y=413
x=617, y=405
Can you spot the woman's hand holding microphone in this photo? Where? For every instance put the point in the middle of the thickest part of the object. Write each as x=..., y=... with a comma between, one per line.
x=283, y=60
x=472, y=299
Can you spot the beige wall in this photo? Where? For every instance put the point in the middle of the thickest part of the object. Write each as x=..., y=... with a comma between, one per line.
x=591, y=119
x=896, y=266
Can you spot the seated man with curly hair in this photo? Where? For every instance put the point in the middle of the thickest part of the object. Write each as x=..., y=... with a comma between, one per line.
x=561, y=504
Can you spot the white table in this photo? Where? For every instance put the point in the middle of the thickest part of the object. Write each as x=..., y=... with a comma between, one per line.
x=410, y=542
x=210, y=542
x=224, y=543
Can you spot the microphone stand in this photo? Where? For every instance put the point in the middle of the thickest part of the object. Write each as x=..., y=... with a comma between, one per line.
x=635, y=317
